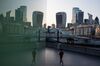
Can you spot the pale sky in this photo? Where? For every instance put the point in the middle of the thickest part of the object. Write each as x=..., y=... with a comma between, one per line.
x=51, y=7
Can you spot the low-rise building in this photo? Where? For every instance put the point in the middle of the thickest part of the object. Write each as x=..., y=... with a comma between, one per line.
x=85, y=30
x=13, y=28
x=97, y=31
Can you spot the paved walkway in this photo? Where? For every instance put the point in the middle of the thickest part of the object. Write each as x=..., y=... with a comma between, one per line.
x=70, y=59
x=47, y=57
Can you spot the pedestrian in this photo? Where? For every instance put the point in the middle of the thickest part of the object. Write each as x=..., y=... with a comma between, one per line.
x=34, y=56
x=61, y=53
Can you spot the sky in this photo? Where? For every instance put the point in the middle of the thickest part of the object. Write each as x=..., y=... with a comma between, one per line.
x=51, y=7
x=32, y=5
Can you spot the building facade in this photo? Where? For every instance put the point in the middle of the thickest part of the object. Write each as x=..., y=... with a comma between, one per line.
x=74, y=12
x=90, y=17
x=37, y=19
x=61, y=20
x=79, y=17
x=21, y=14
x=85, y=30
x=97, y=31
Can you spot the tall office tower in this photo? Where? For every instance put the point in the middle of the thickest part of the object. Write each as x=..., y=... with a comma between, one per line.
x=61, y=20
x=23, y=10
x=8, y=16
x=79, y=17
x=37, y=19
x=17, y=15
x=21, y=14
x=74, y=12
x=96, y=21
x=90, y=18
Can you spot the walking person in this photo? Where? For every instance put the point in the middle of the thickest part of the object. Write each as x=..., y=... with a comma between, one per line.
x=34, y=56
x=61, y=53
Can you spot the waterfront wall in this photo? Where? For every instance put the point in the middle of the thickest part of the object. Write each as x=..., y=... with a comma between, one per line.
x=75, y=48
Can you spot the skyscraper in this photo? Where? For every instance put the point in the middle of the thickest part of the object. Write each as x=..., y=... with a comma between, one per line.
x=90, y=18
x=21, y=14
x=17, y=15
x=23, y=10
x=96, y=21
x=37, y=19
x=79, y=17
x=74, y=12
x=8, y=16
x=60, y=20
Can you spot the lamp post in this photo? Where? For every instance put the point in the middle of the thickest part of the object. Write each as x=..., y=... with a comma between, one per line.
x=57, y=35
x=39, y=34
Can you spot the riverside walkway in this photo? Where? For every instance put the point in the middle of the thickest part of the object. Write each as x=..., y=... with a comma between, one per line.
x=47, y=57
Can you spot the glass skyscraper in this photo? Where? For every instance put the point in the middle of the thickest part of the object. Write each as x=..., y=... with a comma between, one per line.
x=60, y=20
x=21, y=14
x=37, y=19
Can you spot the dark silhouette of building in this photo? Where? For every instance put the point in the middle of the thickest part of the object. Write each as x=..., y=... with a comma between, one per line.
x=2, y=18
x=90, y=18
x=79, y=17
x=86, y=21
x=21, y=14
x=37, y=19
x=96, y=21
x=8, y=16
x=60, y=20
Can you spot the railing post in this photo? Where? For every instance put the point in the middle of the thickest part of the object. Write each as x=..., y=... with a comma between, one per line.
x=39, y=35
x=57, y=35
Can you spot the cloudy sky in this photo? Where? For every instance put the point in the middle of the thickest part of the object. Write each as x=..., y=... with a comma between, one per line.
x=50, y=7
